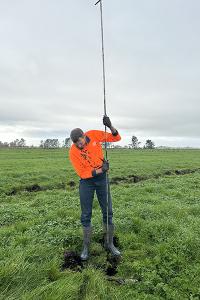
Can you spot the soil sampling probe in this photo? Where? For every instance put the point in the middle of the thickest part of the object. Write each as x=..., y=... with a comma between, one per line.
x=104, y=92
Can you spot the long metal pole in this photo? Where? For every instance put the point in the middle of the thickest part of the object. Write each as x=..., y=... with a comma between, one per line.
x=104, y=92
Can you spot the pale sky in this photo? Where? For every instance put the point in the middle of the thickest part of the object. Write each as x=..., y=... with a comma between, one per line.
x=51, y=69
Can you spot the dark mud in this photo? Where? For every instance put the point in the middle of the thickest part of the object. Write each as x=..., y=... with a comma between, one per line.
x=114, y=263
x=37, y=188
x=135, y=179
x=34, y=188
x=73, y=262
x=71, y=183
x=14, y=192
x=115, y=180
x=130, y=179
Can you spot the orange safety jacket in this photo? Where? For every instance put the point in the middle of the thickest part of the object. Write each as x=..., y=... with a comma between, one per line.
x=88, y=159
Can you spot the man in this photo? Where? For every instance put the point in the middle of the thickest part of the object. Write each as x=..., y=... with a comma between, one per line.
x=87, y=158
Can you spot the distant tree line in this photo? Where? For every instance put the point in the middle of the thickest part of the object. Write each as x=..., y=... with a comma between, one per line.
x=16, y=143
x=54, y=143
x=49, y=143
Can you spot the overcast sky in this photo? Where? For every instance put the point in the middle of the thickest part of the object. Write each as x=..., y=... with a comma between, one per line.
x=51, y=69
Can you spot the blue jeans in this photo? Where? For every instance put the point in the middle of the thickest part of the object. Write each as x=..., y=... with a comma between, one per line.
x=87, y=187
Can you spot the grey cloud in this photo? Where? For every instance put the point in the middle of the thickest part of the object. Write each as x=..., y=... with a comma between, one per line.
x=51, y=67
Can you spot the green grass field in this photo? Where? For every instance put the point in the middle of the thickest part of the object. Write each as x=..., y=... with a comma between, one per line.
x=156, y=204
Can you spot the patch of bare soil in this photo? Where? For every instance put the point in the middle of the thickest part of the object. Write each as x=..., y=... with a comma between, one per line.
x=34, y=188
x=71, y=183
x=71, y=260
x=135, y=179
x=130, y=179
x=115, y=180
x=114, y=263
x=37, y=188
x=12, y=193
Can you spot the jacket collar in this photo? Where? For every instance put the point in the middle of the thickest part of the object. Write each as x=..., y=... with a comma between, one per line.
x=87, y=139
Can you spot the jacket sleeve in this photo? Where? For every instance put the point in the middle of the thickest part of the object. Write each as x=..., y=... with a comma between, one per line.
x=111, y=137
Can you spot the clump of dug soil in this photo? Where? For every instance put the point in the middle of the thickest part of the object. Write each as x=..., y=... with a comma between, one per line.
x=71, y=260
x=34, y=188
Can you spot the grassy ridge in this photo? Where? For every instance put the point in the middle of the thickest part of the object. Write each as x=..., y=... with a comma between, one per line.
x=157, y=223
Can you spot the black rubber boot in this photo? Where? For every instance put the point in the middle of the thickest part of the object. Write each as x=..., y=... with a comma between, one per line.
x=108, y=245
x=87, y=234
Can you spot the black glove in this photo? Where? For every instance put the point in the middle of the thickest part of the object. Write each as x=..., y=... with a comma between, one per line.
x=105, y=166
x=106, y=121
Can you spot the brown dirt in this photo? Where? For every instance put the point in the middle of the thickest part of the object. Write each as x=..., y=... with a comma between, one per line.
x=34, y=188
x=135, y=179
x=71, y=260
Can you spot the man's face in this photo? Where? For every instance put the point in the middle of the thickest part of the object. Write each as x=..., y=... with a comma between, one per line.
x=81, y=142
